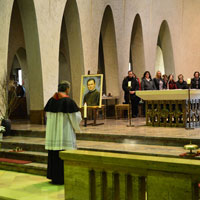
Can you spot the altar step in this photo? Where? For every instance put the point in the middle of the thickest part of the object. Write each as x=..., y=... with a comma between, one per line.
x=122, y=138
x=33, y=156
x=37, y=153
x=31, y=168
x=33, y=150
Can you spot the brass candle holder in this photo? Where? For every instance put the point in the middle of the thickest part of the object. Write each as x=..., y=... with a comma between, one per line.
x=85, y=122
x=191, y=147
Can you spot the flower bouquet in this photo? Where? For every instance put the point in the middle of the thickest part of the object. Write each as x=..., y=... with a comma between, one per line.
x=2, y=130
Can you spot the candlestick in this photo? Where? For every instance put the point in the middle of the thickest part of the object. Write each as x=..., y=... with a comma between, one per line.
x=188, y=81
x=189, y=105
x=85, y=110
x=130, y=108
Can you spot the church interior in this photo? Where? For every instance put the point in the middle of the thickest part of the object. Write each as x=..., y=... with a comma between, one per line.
x=153, y=154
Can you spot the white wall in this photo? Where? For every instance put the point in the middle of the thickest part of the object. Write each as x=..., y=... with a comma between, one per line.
x=182, y=16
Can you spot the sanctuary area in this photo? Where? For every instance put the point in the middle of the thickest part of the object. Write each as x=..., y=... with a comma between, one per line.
x=100, y=99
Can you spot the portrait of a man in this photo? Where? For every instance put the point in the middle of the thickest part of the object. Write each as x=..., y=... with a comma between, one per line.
x=91, y=90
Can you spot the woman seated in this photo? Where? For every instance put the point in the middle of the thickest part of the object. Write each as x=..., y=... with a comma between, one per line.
x=159, y=82
x=195, y=82
x=147, y=82
x=165, y=79
x=134, y=76
x=171, y=82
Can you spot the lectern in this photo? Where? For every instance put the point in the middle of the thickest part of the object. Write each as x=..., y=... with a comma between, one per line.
x=170, y=108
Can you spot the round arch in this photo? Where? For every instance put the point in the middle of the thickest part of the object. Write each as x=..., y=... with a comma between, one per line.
x=137, y=59
x=165, y=46
x=108, y=39
x=71, y=46
x=21, y=57
x=159, y=66
x=26, y=13
x=64, y=68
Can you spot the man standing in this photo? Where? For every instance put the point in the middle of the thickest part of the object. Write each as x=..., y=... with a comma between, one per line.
x=63, y=118
x=134, y=85
x=92, y=98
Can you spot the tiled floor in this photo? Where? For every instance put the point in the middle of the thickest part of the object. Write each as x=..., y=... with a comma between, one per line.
x=119, y=127
x=125, y=147
x=19, y=186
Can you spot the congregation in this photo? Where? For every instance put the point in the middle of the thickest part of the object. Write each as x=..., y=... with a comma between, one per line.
x=160, y=82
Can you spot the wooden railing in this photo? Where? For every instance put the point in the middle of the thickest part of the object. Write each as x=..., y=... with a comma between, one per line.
x=109, y=176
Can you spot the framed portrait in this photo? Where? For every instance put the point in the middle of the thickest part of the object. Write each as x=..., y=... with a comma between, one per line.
x=91, y=90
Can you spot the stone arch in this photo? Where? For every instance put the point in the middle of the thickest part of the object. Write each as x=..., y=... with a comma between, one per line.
x=101, y=65
x=21, y=57
x=25, y=11
x=64, y=68
x=159, y=66
x=137, y=58
x=164, y=42
x=71, y=45
x=108, y=38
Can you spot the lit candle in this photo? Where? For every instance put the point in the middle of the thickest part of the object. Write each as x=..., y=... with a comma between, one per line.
x=85, y=110
x=129, y=84
x=188, y=81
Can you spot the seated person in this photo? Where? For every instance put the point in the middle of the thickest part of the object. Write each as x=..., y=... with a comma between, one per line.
x=159, y=82
x=171, y=82
x=181, y=84
x=165, y=79
x=92, y=98
x=147, y=82
x=195, y=82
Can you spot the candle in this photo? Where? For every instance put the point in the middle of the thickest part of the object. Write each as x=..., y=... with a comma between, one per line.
x=85, y=110
x=129, y=84
x=188, y=81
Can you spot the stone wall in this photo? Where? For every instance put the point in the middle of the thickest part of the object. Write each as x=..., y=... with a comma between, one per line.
x=124, y=24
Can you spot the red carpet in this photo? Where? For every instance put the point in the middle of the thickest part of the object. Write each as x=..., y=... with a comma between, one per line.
x=188, y=155
x=8, y=160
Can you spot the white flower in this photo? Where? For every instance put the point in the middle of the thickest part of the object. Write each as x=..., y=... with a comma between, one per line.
x=2, y=129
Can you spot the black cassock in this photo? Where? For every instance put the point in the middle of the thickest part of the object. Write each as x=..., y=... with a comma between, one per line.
x=55, y=166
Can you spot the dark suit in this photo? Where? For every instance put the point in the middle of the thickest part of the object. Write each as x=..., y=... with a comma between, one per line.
x=92, y=98
x=134, y=99
x=195, y=83
x=182, y=85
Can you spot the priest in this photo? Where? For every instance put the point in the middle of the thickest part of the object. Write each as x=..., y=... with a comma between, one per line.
x=63, y=119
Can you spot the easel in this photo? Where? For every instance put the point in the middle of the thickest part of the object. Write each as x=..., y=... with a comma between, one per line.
x=95, y=112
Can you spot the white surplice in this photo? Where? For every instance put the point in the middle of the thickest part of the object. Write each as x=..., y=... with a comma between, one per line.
x=61, y=129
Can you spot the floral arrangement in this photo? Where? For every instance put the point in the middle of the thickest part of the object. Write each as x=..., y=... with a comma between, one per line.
x=8, y=98
x=2, y=129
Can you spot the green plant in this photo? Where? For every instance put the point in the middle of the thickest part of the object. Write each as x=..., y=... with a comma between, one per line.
x=8, y=98
x=2, y=129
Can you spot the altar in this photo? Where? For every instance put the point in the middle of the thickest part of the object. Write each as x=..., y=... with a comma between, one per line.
x=172, y=108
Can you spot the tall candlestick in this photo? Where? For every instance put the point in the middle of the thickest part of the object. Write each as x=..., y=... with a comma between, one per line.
x=85, y=110
x=129, y=84
x=188, y=81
